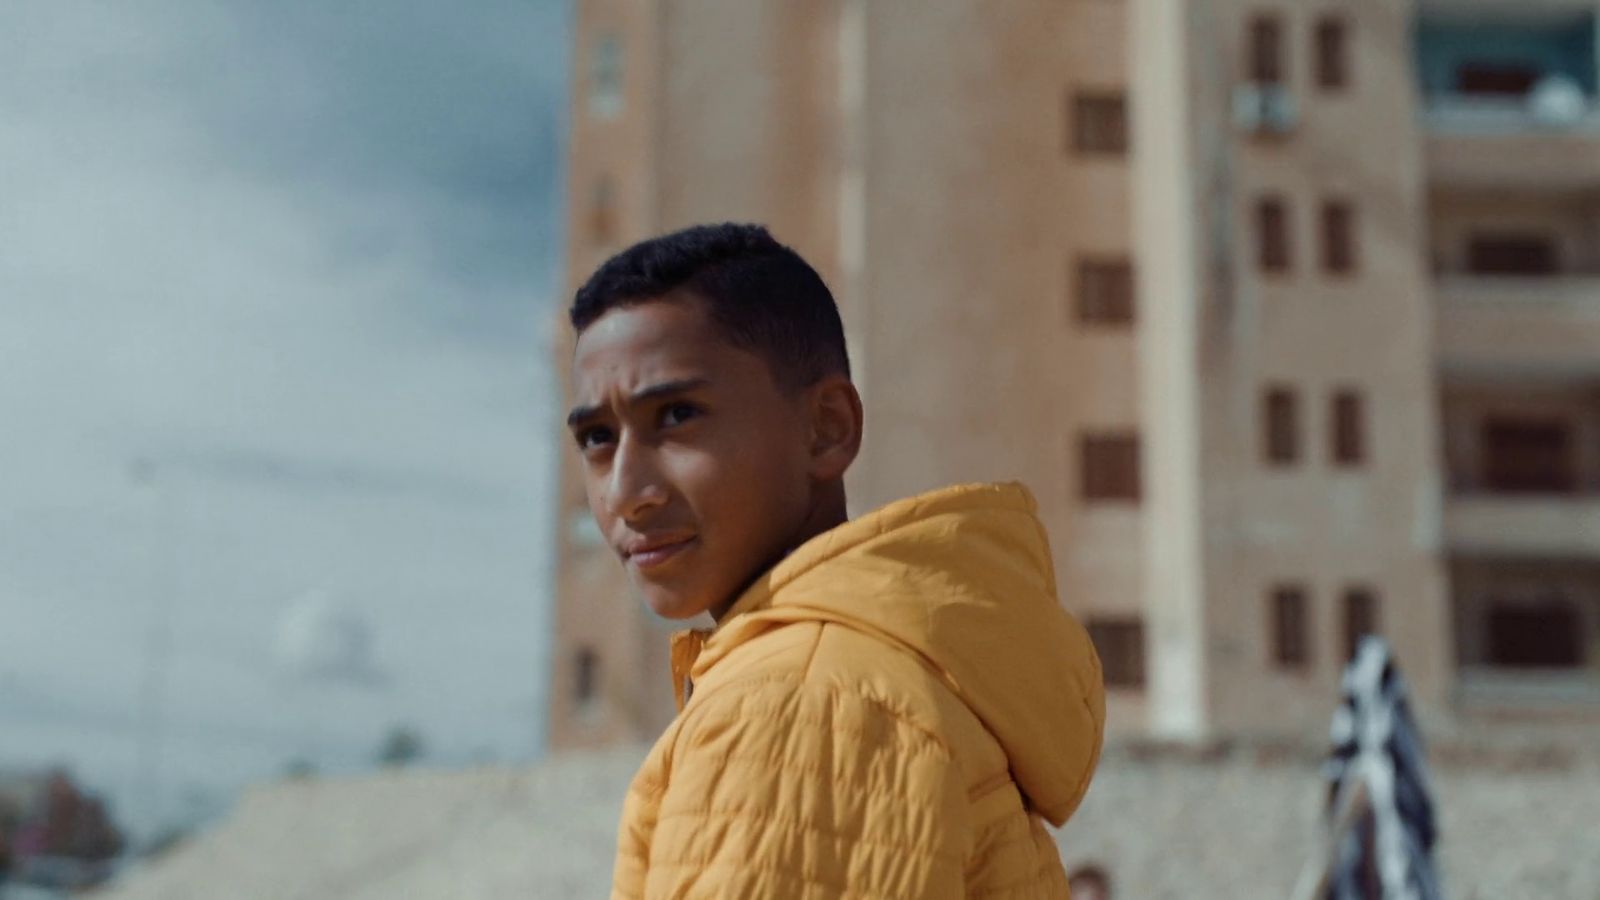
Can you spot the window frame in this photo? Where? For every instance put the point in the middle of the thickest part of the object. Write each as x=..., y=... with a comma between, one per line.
x=1517, y=253
x=603, y=225
x=586, y=677
x=1281, y=440
x=1098, y=123
x=1289, y=627
x=1340, y=232
x=1331, y=52
x=1266, y=56
x=1517, y=457
x=1105, y=476
x=1350, y=622
x=1111, y=636
x=1347, y=427
x=1096, y=276
x=1274, y=232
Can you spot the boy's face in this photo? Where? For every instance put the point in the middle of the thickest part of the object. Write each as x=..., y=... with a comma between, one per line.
x=696, y=463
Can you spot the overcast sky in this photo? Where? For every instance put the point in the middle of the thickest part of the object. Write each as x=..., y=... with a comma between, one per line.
x=274, y=280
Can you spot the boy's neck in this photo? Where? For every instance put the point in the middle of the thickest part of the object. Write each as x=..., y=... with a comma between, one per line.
x=829, y=511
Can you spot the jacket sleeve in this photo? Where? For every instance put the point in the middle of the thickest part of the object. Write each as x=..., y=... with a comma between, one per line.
x=794, y=789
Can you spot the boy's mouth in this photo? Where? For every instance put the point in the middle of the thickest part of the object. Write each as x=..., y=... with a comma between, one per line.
x=649, y=554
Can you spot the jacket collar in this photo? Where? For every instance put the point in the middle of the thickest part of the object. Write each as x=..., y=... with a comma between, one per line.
x=688, y=646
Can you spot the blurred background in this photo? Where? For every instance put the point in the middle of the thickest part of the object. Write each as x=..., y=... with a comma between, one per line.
x=1286, y=310
x=273, y=298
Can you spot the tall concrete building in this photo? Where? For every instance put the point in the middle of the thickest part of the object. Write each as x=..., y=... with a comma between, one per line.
x=1280, y=307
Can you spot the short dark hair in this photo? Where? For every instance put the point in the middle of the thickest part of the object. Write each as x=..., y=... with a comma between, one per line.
x=762, y=295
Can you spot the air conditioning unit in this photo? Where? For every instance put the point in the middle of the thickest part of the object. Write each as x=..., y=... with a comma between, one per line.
x=1557, y=102
x=1267, y=110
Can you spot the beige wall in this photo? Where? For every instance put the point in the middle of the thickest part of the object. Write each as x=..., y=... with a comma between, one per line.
x=762, y=146
x=962, y=291
x=1312, y=523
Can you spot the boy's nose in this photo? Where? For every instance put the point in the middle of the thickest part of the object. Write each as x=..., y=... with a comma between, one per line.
x=636, y=485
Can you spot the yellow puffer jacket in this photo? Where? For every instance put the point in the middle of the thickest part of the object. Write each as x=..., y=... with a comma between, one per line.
x=888, y=713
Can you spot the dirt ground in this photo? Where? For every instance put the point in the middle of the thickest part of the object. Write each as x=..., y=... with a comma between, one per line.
x=1518, y=819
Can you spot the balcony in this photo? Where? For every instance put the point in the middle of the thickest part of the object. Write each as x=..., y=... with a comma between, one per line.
x=1524, y=525
x=1501, y=144
x=1526, y=632
x=1510, y=94
x=1537, y=325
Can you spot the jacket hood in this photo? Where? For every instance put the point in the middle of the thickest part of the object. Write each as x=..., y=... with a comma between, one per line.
x=961, y=578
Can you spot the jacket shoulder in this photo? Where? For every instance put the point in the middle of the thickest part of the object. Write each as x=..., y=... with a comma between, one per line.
x=802, y=665
x=796, y=677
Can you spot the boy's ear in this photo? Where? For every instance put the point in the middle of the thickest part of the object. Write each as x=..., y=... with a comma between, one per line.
x=836, y=424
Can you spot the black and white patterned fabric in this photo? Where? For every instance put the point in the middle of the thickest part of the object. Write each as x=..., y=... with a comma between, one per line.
x=1388, y=854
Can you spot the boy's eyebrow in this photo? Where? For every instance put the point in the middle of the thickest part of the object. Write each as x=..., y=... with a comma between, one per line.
x=654, y=391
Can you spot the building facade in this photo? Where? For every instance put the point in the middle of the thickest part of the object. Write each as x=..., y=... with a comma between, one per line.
x=1280, y=308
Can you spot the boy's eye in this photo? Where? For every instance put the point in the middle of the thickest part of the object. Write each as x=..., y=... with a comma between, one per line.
x=590, y=438
x=678, y=413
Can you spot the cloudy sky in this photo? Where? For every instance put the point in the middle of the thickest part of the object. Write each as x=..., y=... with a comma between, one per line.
x=275, y=407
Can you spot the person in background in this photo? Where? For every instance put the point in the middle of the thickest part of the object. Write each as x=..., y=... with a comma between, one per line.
x=890, y=706
x=1090, y=882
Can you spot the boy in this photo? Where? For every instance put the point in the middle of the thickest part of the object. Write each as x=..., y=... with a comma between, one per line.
x=887, y=707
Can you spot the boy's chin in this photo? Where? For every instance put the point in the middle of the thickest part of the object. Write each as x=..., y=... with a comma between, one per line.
x=673, y=605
